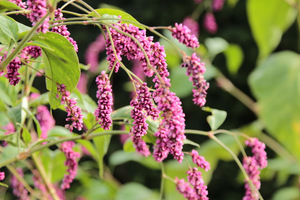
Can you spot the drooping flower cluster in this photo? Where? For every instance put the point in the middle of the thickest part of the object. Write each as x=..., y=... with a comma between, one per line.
x=196, y=180
x=73, y=111
x=38, y=9
x=200, y=160
x=217, y=5
x=127, y=46
x=209, y=23
x=2, y=176
x=18, y=188
x=170, y=134
x=196, y=69
x=192, y=25
x=142, y=107
x=198, y=191
x=12, y=71
x=105, y=101
x=71, y=163
x=45, y=119
x=183, y=34
x=62, y=29
x=93, y=51
x=253, y=165
x=185, y=189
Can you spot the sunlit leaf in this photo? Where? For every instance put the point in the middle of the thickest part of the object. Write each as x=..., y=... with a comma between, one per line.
x=275, y=84
x=114, y=14
x=8, y=29
x=269, y=19
x=61, y=63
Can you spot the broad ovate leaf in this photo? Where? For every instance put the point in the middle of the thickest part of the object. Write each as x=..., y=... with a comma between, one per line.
x=275, y=83
x=7, y=5
x=8, y=29
x=61, y=63
x=269, y=19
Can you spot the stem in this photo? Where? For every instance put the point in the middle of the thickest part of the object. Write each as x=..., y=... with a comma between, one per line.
x=162, y=183
x=21, y=45
x=227, y=85
x=29, y=152
x=21, y=179
x=41, y=169
x=238, y=162
x=17, y=12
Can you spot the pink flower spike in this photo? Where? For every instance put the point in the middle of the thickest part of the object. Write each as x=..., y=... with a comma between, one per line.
x=185, y=189
x=210, y=23
x=73, y=111
x=200, y=160
x=183, y=34
x=105, y=101
x=71, y=163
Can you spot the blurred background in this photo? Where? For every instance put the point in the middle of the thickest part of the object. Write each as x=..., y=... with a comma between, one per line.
x=251, y=52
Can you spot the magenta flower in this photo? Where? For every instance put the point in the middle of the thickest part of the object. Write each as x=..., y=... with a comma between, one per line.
x=183, y=34
x=18, y=188
x=71, y=163
x=45, y=119
x=19, y=3
x=105, y=101
x=217, y=5
x=195, y=70
x=12, y=71
x=253, y=165
x=200, y=160
x=82, y=84
x=195, y=178
x=93, y=51
x=2, y=176
x=73, y=111
x=39, y=184
x=126, y=46
x=62, y=29
x=210, y=23
x=38, y=9
x=185, y=189
x=192, y=25
x=142, y=107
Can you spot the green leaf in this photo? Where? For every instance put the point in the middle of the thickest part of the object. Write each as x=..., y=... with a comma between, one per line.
x=7, y=5
x=216, y=119
x=8, y=30
x=101, y=145
x=128, y=146
x=121, y=157
x=234, y=58
x=180, y=83
x=135, y=191
x=114, y=14
x=275, y=83
x=61, y=63
x=215, y=45
x=8, y=93
x=89, y=146
x=58, y=131
x=269, y=19
x=26, y=136
x=287, y=193
x=52, y=161
x=123, y=112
